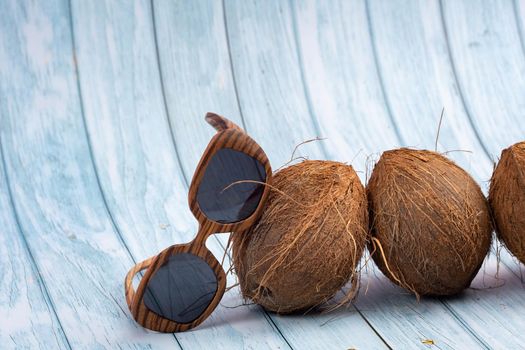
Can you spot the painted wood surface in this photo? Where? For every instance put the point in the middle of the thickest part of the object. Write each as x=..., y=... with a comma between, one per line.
x=489, y=61
x=24, y=302
x=196, y=72
x=147, y=194
x=342, y=81
x=409, y=20
x=182, y=117
x=269, y=79
x=493, y=306
x=255, y=16
x=101, y=127
x=56, y=196
x=415, y=68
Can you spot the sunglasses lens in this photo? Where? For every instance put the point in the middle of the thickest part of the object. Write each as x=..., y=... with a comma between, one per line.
x=222, y=195
x=181, y=289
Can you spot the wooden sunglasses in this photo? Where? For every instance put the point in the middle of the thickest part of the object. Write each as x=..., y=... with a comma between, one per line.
x=184, y=283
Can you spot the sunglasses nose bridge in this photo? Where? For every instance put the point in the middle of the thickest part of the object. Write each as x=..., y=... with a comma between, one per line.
x=205, y=230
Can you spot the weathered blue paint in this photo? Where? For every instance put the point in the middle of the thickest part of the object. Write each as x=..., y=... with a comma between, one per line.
x=101, y=127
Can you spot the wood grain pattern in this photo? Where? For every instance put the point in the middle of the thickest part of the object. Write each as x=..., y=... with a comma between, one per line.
x=367, y=75
x=183, y=120
x=136, y=160
x=493, y=306
x=24, y=302
x=257, y=14
x=56, y=196
x=269, y=80
x=150, y=319
x=403, y=321
x=415, y=68
x=489, y=62
x=236, y=139
x=340, y=74
x=471, y=311
x=229, y=136
x=196, y=75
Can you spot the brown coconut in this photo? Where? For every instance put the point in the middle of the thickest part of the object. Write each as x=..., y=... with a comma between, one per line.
x=430, y=222
x=309, y=240
x=507, y=199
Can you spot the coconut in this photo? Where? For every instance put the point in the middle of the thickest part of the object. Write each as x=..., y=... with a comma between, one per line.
x=507, y=199
x=430, y=222
x=309, y=240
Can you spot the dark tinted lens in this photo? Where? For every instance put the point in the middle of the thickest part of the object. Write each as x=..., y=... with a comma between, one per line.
x=181, y=289
x=223, y=200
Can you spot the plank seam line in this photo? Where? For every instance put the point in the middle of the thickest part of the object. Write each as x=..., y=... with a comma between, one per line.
x=519, y=25
x=308, y=99
x=90, y=148
x=458, y=83
x=166, y=109
x=167, y=113
x=376, y=60
x=375, y=331
x=465, y=325
x=168, y=120
x=511, y=268
x=235, y=88
x=306, y=91
x=42, y=284
x=163, y=90
x=267, y=316
x=468, y=113
x=380, y=75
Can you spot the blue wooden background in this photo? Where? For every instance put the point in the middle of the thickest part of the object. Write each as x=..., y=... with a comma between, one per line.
x=101, y=127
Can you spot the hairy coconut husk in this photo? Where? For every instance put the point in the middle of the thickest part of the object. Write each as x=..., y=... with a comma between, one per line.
x=309, y=240
x=430, y=222
x=507, y=199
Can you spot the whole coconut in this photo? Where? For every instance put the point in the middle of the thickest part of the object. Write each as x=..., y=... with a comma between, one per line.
x=430, y=222
x=309, y=240
x=507, y=199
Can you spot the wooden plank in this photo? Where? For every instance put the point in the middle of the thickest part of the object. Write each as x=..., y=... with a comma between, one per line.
x=494, y=305
x=343, y=328
x=44, y=139
x=276, y=107
x=415, y=68
x=189, y=37
x=511, y=262
x=270, y=21
x=488, y=59
x=195, y=70
x=400, y=319
x=489, y=38
x=29, y=319
x=519, y=14
x=478, y=313
x=62, y=215
x=337, y=61
x=130, y=138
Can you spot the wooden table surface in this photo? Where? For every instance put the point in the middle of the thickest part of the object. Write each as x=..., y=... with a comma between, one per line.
x=101, y=127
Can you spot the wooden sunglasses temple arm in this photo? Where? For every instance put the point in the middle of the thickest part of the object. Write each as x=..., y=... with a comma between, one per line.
x=128, y=283
x=220, y=123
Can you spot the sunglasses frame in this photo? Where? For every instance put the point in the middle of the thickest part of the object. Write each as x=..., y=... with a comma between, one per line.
x=229, y=135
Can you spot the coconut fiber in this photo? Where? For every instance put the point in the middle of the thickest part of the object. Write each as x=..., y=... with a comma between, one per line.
x=309, y=240
x=430, y=222
x=507, y=199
